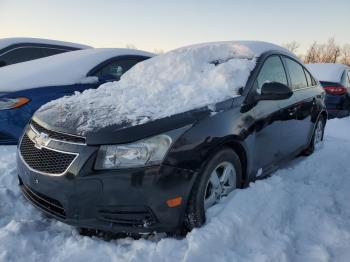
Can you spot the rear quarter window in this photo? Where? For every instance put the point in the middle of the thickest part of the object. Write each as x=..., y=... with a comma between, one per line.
x=310, y=80
x=346, y=78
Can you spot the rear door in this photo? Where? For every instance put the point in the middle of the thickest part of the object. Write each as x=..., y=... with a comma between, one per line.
x=275, y=129
x=303, y=85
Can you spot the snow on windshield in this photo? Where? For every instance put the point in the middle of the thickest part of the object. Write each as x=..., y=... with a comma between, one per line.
x=178, y=81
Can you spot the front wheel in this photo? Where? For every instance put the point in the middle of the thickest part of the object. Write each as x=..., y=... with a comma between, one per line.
x=220, y=176
x=317, y=136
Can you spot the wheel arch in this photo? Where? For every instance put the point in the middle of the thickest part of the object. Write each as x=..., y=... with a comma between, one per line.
x=324, y=114
x=239, y=149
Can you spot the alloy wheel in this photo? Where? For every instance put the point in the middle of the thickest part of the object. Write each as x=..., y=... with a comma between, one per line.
x=221, y=182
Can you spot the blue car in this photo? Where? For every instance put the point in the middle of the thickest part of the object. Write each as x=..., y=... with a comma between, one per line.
x=335, y=80
x=24, y=87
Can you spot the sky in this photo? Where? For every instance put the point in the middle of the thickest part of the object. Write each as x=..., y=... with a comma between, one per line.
x=164, y=25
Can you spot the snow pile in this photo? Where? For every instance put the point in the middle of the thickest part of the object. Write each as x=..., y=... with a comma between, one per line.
x=62, y=69
x=6, y=42
x=178, y=81
x=327, y=72
x=301, y=213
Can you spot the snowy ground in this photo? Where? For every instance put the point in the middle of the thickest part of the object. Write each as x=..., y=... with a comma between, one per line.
x=302, y=213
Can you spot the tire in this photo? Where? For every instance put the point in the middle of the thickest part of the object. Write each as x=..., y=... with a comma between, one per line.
x=316, y=137
x=203, y=191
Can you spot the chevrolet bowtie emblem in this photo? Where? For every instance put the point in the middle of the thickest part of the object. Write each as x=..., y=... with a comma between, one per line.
x=41, y=140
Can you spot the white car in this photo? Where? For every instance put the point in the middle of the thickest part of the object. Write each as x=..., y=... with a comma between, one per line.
x=17, y=50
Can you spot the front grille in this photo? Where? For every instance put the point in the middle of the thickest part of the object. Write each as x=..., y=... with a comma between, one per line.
x=44, y=160
x=57, y=135
x=43, y=202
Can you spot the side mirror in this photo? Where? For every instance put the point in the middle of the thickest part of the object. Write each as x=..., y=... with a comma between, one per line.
x=274, y=91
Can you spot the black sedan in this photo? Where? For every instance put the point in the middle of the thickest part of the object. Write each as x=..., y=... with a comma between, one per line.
x=161, y=170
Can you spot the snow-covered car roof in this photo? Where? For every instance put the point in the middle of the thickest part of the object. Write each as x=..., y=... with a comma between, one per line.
x=5, y=42
x=327, y=72
x=175, y=82
x=62, y=69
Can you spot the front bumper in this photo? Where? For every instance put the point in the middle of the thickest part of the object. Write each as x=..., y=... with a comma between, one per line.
x=130, y=200
x=12, y=123
x=338, y=105
x=336, y=113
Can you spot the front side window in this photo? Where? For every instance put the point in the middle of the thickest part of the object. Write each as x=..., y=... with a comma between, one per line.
x=297, y=74
x=116, y=69
x=272, y=71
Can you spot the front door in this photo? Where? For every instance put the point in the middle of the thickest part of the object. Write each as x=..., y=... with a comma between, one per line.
x=275, y=129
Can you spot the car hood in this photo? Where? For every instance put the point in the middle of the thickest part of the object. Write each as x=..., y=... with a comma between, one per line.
x=126, y=132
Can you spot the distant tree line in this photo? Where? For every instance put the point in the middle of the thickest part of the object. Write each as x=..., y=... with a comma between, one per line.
x=157, y=51
x=329, y=52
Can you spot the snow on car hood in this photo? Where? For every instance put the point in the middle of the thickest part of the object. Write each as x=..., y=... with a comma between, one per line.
x=176, y=82
x=62, y=69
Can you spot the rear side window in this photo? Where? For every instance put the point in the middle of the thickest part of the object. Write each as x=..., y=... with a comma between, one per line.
x=272, y=71
x=53, y=51
x=24, y=54
x=346, y=79
x=114, y=70
x=310, y=80
x=297, y=75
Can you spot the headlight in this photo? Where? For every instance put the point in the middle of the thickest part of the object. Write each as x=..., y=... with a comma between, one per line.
x=145, y=152
x=10, y=103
